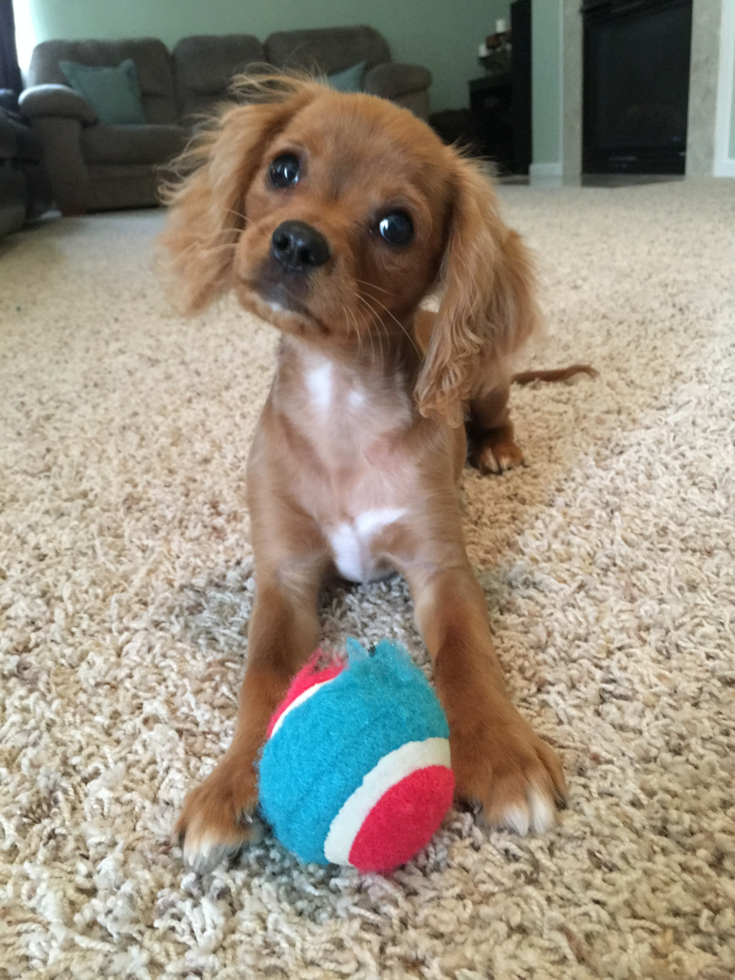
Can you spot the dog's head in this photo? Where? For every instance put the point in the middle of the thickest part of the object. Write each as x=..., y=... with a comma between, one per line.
x=332, y=216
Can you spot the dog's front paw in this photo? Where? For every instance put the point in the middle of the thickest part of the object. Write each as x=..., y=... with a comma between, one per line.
x=219, y=816
x=513, y=774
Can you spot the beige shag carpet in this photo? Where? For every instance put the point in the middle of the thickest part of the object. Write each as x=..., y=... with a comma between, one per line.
x=609, y=568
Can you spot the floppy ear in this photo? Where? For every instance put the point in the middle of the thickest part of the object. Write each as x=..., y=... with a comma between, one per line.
x=488, y=308
x=207, y=207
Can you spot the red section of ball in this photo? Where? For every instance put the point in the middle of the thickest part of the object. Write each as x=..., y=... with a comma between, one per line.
x=404, y=820
x=309, y=675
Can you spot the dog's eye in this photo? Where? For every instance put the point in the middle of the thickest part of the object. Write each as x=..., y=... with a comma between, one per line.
x=397, y=228
x=284, y=171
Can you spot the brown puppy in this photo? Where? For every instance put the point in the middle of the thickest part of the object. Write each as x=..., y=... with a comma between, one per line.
x=332, y=217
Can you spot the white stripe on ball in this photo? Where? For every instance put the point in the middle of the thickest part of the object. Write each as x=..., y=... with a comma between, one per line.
x=391, y=769
x=304, y=696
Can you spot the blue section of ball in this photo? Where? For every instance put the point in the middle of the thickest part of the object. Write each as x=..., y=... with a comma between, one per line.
x=325, y=746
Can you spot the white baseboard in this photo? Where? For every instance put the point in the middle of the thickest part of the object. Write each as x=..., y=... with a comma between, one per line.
x=545, y=174
x=724, y=168
x=724, y=164
x=545, y=170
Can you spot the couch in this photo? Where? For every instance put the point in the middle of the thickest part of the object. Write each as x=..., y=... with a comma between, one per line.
x=333, y=49
x=25, y=191
x=96, y=167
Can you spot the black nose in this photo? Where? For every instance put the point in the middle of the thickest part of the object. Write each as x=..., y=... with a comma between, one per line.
x=299, y=247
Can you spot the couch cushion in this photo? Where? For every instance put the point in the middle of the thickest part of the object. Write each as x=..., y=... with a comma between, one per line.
x=204, y=66
x=349, y=80
x=328, y=50
x=113, y=93
x=152, y=66
x=132, y=144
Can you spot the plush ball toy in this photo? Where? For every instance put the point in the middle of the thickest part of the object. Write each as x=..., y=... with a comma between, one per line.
x=356, y=768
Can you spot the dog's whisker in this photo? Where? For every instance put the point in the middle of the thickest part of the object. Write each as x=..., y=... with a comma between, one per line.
x=358, y=332
x=371, y=285
x=238, y=214
x=375, y=322
x=394, y=318
x=358, y=317
x=224, y=247
x=208, y=249
x=372, y=340
x=352, y=321
x=372, y=346
x=382, y=328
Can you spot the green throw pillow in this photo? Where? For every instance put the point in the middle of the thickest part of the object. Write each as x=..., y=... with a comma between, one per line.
x=113, y=93
x=349, y=80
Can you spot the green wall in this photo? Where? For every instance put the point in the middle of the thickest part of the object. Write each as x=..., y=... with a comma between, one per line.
x=443, y=35
x=732, y=116
x=546, y=52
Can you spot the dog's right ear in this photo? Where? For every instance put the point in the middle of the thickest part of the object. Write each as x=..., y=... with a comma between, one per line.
x=207, y=205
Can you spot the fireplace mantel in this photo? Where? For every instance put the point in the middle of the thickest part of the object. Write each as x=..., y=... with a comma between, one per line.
x=557, y=91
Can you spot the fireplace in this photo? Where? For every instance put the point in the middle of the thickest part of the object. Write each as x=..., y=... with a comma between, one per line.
x=635, y=85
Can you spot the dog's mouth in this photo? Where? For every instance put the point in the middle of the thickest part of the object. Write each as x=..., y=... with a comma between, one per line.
x=274, y=300
x=278, y=297
x=281, y=292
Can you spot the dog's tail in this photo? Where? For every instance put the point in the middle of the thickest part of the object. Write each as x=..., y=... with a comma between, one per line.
x=560, y=374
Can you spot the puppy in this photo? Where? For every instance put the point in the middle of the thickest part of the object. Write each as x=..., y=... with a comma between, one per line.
x=332, y=217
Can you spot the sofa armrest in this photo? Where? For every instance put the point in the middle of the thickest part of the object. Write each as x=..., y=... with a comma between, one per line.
x=56, y=100
x=62, y=156
x=392, y=80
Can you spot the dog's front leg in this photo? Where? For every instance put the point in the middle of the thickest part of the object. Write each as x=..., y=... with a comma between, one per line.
x=498, y=761
x=219, y=816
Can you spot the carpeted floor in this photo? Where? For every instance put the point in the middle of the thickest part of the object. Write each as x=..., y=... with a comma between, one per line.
x=608, y=563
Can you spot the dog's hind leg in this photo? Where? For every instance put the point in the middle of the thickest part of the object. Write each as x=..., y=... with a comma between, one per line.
x=490, y=435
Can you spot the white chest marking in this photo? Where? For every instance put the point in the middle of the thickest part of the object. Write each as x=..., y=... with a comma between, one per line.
x=356, y=398
x=319, y=382
x=351, y=541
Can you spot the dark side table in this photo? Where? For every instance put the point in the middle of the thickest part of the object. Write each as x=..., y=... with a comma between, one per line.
x=491, y=105
x=501, y=103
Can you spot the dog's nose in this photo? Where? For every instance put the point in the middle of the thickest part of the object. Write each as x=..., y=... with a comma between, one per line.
x=299, y=247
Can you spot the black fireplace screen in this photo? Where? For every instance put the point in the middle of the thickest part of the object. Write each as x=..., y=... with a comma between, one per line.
x=636, y=85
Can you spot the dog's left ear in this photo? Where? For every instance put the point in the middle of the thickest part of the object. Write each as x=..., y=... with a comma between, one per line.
x=488, y=308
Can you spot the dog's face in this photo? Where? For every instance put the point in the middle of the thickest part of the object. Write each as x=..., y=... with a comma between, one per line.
x=346, y=220
x=333, y=215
